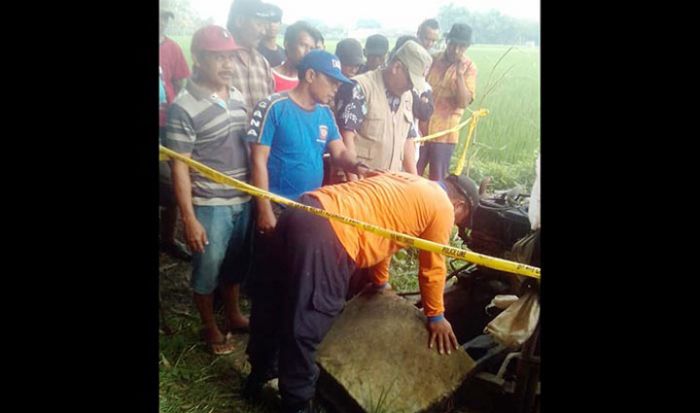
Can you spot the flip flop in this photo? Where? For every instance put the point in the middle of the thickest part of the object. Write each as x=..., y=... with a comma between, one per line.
x=223, y=348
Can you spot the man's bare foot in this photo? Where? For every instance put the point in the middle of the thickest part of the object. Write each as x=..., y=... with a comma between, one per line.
x=218, y=343
x=239, y=324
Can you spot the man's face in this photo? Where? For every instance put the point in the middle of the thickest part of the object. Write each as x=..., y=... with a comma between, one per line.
x=462, y=212
x=349, y=71
x=374, y=61
x=215, y=68
x=323, y=88
x=428, y=37
x=252, y=30
x=399, y=81
x=273, y=29
x=304, y=44
x=456, y=51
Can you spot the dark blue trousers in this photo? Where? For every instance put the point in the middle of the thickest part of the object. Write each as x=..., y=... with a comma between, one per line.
x=295, y=300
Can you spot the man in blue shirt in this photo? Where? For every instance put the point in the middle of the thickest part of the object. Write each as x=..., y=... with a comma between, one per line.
x=289, y=132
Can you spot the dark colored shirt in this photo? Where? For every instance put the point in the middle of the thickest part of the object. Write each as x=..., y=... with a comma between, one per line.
x=351, y=107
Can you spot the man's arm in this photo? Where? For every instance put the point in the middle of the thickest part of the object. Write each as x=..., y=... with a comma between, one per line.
x=345, y=159
x=259, y=154
x=464, y=95
x=195, y=234
x=181, y=137
x=409, y=151
x=261, y=135
x=431, y=277
x=351, y=101
x=409, y=156
x=349, y=142
x=423, y=105
x=379, y=275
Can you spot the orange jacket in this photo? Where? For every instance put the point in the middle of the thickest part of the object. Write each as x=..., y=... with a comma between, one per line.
x=401, y=202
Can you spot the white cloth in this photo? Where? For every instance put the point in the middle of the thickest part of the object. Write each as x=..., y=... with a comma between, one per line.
x=534, y=209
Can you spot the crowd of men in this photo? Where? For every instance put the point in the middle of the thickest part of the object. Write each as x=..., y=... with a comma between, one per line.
x=333, y=131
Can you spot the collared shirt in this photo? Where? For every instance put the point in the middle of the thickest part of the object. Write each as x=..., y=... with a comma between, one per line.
x=252, y=76
x=351, y=107
x=212, y=130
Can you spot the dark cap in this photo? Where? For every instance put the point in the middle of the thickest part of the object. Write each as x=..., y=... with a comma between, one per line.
x=275, y=13
x=166, y=9
x=466, y=187
x=254, y=8
x=349, y=51
x=376, y=45
x=460, y=33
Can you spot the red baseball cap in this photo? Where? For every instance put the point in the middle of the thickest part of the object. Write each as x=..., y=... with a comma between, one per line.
x=213, y=38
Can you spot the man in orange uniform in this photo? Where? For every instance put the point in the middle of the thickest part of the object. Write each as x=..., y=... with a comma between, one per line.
x=317, y=256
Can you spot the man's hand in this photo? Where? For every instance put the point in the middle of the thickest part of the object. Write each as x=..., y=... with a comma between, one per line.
x=441, y=331
x=266, y=221
x=365, y=171
x=195, y=235
x=461, y=67
x=374, y=172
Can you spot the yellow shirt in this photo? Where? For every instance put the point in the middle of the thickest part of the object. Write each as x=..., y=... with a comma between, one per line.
x=443, y=79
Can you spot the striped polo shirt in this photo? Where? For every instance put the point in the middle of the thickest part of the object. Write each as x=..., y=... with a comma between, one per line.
x=212, y=130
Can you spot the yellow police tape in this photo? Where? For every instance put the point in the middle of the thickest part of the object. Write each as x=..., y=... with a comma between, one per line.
x=479, y=259
x=476, y=115
x=438, y=134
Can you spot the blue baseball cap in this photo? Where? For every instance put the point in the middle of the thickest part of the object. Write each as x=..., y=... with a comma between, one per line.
x=324, y=62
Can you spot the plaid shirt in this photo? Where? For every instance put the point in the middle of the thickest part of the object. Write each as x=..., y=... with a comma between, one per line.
x=252, y=76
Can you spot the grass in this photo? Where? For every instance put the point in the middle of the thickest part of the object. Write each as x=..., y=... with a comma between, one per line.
x=505, y=147
x=507, y=140
x=191, y=380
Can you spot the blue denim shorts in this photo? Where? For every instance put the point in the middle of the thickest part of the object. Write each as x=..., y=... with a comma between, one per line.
x=227, y=257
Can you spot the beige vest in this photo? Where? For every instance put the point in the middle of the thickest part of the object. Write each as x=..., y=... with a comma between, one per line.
x=380, y=140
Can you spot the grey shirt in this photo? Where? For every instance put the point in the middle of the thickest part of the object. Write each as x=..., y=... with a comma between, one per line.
x=212, y=130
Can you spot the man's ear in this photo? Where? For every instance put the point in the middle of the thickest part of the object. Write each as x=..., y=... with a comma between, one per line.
x=196, y=60
x=310, y=75
x=463, y=203
x=396, y=66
